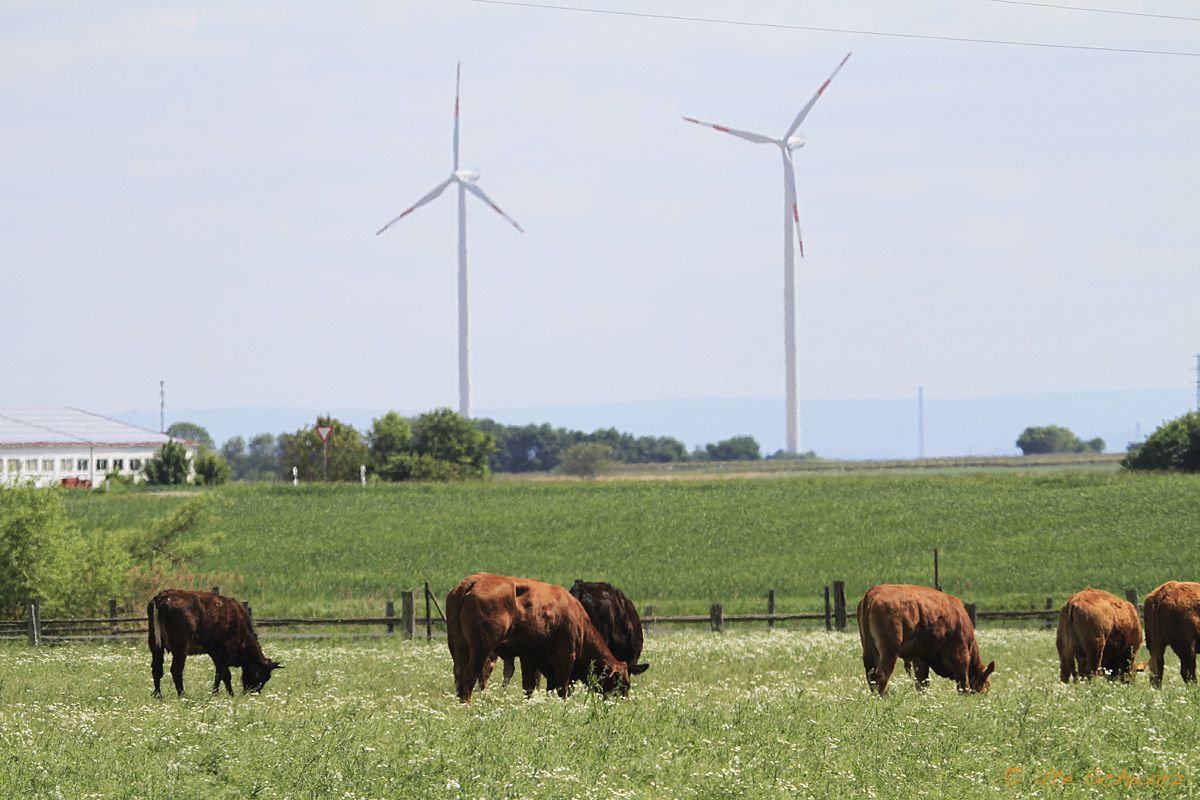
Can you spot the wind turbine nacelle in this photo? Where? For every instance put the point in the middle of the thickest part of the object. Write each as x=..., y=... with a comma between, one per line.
x=795, y=142
x=470, y=176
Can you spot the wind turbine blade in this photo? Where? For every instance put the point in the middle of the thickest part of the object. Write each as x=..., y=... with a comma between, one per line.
x=457, y=81
x=789, y=191
x=441, y=187
x=808, y=106
x=757, y=138
x=475, y=190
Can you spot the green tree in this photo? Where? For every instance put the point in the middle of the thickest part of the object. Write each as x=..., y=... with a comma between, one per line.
x=211, y=468
x=1174, y=446
x=303, y=450
x=736, y=448
x=32, y=523
x=192, y=432
x=586, y=459
x=388, y=443
x=445, y=436
x=169, y=466
x=234, y=453
x=1035, y=440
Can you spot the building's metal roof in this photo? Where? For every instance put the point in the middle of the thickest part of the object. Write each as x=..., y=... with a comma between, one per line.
x=64, y=426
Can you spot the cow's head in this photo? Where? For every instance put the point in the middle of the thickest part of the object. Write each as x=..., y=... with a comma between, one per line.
x=255, y=676
x=610, y=679
x=982, y=681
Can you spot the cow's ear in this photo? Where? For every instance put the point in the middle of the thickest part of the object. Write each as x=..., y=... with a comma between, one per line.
x=274, y=665
x=638, y=669
x=991, y=667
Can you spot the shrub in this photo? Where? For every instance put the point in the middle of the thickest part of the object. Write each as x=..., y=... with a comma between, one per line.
x=586, y=459
x=211, y=468
x=1174, y=446
x=169, y=466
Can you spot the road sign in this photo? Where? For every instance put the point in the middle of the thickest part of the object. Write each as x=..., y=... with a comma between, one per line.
x=323, y=431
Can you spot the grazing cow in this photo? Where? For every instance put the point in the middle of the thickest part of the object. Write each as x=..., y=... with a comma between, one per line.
x=1173, y=618
x=615, y=618
x=923, y=626
x=192, y=623
x=540, y=623
x=1097, y=631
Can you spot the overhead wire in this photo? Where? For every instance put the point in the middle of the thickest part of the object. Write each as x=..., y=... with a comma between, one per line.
x=822, y=29
x=1093, y=10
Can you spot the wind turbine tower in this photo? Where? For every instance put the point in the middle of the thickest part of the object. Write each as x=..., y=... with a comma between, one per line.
x=466, y=181
x=791, y=220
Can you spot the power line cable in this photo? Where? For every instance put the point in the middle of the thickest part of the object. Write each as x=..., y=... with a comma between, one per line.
x=1095, y=10
x=858, y=32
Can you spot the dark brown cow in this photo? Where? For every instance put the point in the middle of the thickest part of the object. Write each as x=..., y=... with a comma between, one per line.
x=1097, y=631
x=614, y=616
x=193, y=623
x=540, y=623
x=1173, y=618
x=922, y=625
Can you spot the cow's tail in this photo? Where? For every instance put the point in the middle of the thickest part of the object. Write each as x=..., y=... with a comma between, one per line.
x=157, y=633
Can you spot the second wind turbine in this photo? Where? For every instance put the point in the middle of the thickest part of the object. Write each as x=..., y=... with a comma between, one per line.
x=791, y=219
x=465, y=179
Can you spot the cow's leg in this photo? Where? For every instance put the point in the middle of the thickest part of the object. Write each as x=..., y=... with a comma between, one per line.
x=485, y=674
x=529, y=675
x=1187, y=661
x=564, y=666
x=156, y=669
x=222, y=675
x=178, y=659
x=1066, y=664
x=1155, y=665
x=920, y=673
x=870, y=658
x=884, y=669
x=510, y=667
x=1093, y=655
x=473, y=670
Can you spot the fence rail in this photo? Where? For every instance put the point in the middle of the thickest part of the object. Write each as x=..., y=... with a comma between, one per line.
x=835, y=616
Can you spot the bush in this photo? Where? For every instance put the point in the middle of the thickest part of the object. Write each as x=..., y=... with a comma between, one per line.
x=170, y=465
x=211, y=469
x=1175, y=446
x=586, y=459
x=737, y=448
x=1036, y=440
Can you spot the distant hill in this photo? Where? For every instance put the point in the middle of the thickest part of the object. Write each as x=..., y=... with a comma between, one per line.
x=850, y=428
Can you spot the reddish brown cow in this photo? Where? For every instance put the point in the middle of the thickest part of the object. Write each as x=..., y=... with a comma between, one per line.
x=922, y=625
x=540, y=623
x=1173, y=618
x=1097, y=631
x=193, y=623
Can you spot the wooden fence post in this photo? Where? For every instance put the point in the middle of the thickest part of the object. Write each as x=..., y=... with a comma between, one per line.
x=249, y=613
x=648, y=613
x=216, y=590
x=771, y=607
x=390, y=612
x=1131, y=596
x=839, y=605
x=971, y=613
x=408, y=614
x=717, y=617
x=828, y=611
x=1049, y=607
x=35, y=622
x=428, y=613
x=112, y=615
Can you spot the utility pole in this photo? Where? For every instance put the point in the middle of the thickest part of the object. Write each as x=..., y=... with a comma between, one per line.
x=921, y=420
x=1198, y=381
x=162, y=406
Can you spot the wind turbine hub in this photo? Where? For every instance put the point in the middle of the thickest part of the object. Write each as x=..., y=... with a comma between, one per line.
x=795, y=142
x=470, y=176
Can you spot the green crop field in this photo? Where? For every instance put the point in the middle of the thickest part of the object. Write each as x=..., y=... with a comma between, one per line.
x=1006, y=540
x=756, y=715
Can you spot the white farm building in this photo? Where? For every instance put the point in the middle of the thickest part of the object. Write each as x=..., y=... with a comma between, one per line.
x=62, y=445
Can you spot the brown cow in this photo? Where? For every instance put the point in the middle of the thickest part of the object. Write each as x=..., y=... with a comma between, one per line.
x=540, y=623
x=922, y=625
x=193, y=623
x=614, y=616
x=1097, y=631
x=1173, y=618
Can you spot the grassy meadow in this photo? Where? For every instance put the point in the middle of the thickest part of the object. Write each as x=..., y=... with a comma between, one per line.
x=1007, y=540
x=758, y=715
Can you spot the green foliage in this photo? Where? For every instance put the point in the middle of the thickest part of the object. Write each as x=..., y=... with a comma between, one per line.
x=169, y=466
x=1036, y=440
x=586, y=459
x=737, y=448
x=258, y=461
x=446, y=436
x=211, y=468
x=388, y=441
x=33, y=525
x=530, y=448
x=192, y=432
x=1174, y=446
x=304, y=450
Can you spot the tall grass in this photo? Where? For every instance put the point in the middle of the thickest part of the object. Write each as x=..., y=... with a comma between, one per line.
x=1005, y=540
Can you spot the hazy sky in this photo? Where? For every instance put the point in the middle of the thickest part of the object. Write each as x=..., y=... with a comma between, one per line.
x=190, y=193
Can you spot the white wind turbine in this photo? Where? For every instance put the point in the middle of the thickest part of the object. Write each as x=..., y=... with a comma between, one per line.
x=791, y=219
x=465, y=179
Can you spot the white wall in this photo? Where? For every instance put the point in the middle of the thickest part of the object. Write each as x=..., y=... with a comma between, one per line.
x=49, y=469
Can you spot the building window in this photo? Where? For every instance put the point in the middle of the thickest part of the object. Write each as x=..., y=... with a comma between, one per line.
x=14, y=465
x=65, y=465
x=47, y=465
x=135, y=464
x=102, y=464
x=81, y=465
x=31, y=464
x=118, y=464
